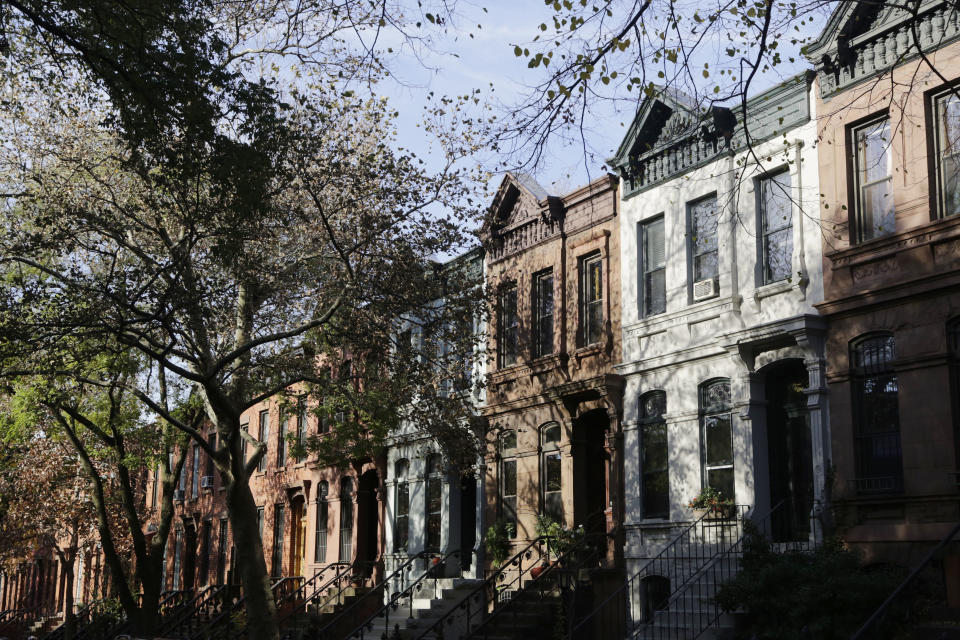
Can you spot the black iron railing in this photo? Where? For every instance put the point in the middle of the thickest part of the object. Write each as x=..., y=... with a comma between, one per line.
x=313, y=592
x=470, y=611
x=878, y=623
x=621, y=612
x=200, y=609
x=229, y=623
x=399, y=604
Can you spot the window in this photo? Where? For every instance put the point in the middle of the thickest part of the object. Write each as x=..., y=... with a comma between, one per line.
x=222, y=552
x=206, y=544
x=551, y=471
x=543, y=313
x=177, y=554
x=508, y=331
x=953, y=355
x=195, y=472
x=212, y=443
x=282, y=420
x=260, y=522
x=320, y=540
x=873, y=180
x=245, y=428
x=654, y=459
x=264, y=437
x=591, y=300
x=776, y=227
x=434, y=491
x=279, y=515
x=346, y=519
x=153, y=489
x=716, y=430
x=703, y=218
x=182, y=480
x=654, y=279
x=947, y=113
x=876, y=415
x=401, y=520
x=301, y=429
x=508, y=479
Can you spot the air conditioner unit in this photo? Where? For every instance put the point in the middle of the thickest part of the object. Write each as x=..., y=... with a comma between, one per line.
x=206, y=482
x=703, y=289
x=178, y=495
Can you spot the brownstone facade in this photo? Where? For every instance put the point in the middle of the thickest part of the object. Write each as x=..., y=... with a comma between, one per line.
x=553, y=402
x=891, y=275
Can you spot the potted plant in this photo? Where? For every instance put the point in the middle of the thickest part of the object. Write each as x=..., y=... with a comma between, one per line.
x=711, y=503
x=498, y=541
x=560, y=540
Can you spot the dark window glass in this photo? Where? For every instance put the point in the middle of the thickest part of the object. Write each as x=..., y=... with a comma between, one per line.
x=508, y=492
x=716, y=422
x=543, y=313
x=206, y=546
x=654, y=267
x=222, y=552
x=245, y=427
x=776, y=221
x=301, y=428
x=551, y=470
x=434, y=498
x=320, y=542
x=260, y=522
x=508, y=331
x=346, y=519
x=947, y=109
x=654, y=462
x=876, y=413
x=591, y=300
x=194, y=471
x=156, y=485
x=212, y=443
x=264, y=437
x=873, y=169
x=703, y=239
x=953, y=353
x=279, y=516
x=282, y=440
x=401, y=524
x=177, y=554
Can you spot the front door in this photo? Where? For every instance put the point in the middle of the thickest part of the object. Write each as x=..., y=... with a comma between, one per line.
x=297, y=537
x=789, y=454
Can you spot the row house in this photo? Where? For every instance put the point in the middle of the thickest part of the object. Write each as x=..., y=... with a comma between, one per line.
x=553, y=402
x=723, y=348
x=888, y=116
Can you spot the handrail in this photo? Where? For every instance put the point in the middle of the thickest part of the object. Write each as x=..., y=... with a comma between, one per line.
x=670, y=550
x=338, y=616
x=189, y=609
x=237, y=605
x=878, y=614
x=337, y=576
x=564, y=562
x=393, y=603
x=488, y=583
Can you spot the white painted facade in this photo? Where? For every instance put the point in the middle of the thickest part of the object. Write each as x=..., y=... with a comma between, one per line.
x=733, y=335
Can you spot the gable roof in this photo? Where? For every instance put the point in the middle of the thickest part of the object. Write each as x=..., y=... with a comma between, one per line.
x=668, y=106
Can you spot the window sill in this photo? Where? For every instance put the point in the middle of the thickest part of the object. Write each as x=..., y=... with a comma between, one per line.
x=772, y=289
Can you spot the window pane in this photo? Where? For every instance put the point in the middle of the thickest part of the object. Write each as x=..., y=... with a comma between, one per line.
x=552, y=472
x=878, y=215
x=654, y=405
x=722, y=481
x=950, y=181
x=777, y=209
x=705, y=266
x=653, y=245
x=654, y=447
x=594, y=322
x=656, y=495
x=510, y=477
x=778, y=249
x=551, y=435
x=703, y=217
x=508, y=441
x=508, y=326
x=655, y=292
x=874, y=151
x=717, y=435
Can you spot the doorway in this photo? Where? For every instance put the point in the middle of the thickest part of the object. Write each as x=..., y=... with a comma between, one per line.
x=298, y=524
x=468, y=519
x=590, y=471
x=789, y=451
x=368, y=519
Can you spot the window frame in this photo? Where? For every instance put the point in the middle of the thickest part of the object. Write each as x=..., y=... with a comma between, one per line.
x=222, y=539
x=301, y=429
x=283, y=425
x=586, y=305
x=505, y=357
x=542, y=345
x=649, y=421
x=692, y=254
x=322, y=524
x=401, y=518
x=857, y=185
x=264, y=436
x=866, y=480
x=644, y=267
x=347, y=485
x=507, y=456
x=550, y=450
x=707, y=412
x=279, y=521
x=763, y=232
x=433, y=520
x=935, y=143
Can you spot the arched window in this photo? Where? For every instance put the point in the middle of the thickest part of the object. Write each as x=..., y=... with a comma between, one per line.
x=716, y=432
x=551, y=475
x=876, y=414
x=654, y=471
x=401, y=520
x=508, y=478
x=320, y=541
x=346, y=518
x=434, y=493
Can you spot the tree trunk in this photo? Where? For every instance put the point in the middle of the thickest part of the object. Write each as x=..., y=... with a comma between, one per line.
x=69, y=620
x=261, y=611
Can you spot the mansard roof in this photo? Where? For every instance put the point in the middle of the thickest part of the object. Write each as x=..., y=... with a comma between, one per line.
x=670, y=136
x=863, y=39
